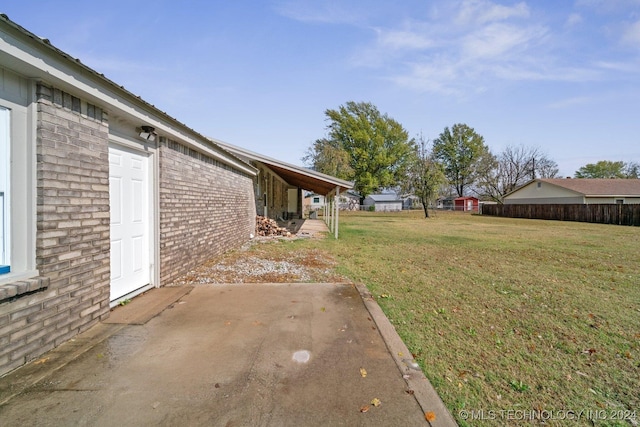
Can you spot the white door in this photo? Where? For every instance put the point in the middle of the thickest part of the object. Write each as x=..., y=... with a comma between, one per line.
x=130, y=221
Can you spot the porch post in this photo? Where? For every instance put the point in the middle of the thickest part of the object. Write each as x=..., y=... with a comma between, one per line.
x=337, y=210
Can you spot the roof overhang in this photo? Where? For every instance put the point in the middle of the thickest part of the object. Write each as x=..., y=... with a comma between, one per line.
x=36, y=58
x=298, y=176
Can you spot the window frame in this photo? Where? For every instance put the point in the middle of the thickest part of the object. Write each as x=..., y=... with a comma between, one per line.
x=5, y=187
x=18, y=95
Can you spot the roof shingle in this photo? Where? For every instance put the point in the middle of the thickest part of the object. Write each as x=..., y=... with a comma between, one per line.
x=598, y=187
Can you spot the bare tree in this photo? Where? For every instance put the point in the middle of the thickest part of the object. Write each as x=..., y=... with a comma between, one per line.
x=512, y=168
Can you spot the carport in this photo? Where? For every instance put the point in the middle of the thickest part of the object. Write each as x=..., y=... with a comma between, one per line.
x=296, y=178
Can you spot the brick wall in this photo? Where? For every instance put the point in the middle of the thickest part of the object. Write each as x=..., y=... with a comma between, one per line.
x=206, y=208
x=72, y=246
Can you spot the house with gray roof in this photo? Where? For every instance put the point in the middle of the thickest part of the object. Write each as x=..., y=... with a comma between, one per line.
x=383, y=202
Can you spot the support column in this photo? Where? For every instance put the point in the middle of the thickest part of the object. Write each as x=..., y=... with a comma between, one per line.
x=337, y=199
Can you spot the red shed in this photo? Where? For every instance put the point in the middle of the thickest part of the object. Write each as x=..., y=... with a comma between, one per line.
x=466, y=204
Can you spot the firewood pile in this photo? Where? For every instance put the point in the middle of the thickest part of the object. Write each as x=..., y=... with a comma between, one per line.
x=269, y=227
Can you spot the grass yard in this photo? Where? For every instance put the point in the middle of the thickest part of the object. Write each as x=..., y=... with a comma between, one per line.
x=506, y=314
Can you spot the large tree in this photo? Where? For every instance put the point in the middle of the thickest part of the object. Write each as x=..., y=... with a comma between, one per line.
x=462, y=153
x=512, y=168
x=329, y=157
x=365, y=146
x=424, y=176
x=608, y=169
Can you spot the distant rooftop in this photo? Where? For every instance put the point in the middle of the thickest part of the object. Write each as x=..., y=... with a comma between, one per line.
x=598, y=187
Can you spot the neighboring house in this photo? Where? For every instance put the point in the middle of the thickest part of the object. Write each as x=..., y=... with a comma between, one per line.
x=445, y=203
x=311, y=204
x=104, y=196
x=349, y=201
x=383, y=202
x=576, y=191
x=467, y=204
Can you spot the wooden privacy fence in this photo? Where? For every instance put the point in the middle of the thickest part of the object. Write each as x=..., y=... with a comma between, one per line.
x=603, y=214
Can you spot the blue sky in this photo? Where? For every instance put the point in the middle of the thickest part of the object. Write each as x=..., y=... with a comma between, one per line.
x=560, y=75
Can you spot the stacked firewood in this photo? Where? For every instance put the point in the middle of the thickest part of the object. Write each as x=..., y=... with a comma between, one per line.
x=269, y=227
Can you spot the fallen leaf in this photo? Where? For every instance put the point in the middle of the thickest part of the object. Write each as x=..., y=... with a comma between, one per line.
x=363, y=372
x=376, y=402
x=323, y=309
x=365, y=408
x=43, y=360
x=410, y=391
x=400, y=354
x=430, y=416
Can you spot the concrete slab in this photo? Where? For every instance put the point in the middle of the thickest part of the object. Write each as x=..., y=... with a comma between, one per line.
x=148, y=305
x=313, y=228
x=233, y=355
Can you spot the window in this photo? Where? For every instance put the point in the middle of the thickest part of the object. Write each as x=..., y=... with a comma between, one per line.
x=18, y=123
x=316, y=200
x=619, y=201
x=4, y=190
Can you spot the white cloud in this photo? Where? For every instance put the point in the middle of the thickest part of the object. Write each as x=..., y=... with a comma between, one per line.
x=436, y=76
x=326, y=12
x=631, y=34
x=499, y=39
x=570, y=102
x=405, y=39
x=483, y=11
x=624, y=67
x=573, y=20
x=607, y=6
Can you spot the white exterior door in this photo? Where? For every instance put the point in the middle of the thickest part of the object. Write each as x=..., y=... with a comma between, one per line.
x=130, y=231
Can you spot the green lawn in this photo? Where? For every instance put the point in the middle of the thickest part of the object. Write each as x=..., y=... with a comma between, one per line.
x=505, y=314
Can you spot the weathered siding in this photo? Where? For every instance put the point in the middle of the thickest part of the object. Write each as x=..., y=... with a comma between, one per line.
x=206, y=208
x=72, y=243
x=543, y=192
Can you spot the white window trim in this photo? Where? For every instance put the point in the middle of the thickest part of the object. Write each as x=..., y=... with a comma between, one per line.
x=21, y=197
x=5, y=138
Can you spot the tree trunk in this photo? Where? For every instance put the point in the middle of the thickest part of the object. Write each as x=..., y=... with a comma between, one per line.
x=425, y=206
